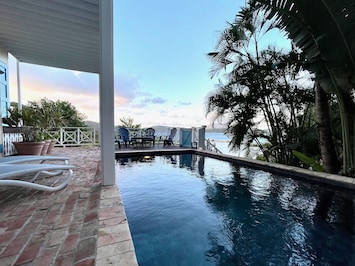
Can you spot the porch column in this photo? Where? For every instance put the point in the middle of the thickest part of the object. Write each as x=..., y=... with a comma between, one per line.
x=19, y=98
x=107, y=93
x=202, y=137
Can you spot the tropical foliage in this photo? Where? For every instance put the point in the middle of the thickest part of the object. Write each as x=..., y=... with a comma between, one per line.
x=128, y=122
x=262, y=89
x=323, y=29
x=37, y=117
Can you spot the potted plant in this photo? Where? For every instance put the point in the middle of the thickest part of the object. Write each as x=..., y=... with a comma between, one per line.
x=32, y=143
x=39, y=120
x=26, y=121
x=49, y=143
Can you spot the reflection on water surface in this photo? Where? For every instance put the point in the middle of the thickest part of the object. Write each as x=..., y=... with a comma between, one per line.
x=191, y=210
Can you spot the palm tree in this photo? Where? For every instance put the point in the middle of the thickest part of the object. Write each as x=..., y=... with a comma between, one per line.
x=328, y=152
x=128, y=122
x=258, y=82
x=323, y=29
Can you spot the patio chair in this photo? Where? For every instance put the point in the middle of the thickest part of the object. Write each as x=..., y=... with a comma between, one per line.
x=23, y=175
x=32, y=158
x=123, y=137
x=169, y=141
x=149, y=135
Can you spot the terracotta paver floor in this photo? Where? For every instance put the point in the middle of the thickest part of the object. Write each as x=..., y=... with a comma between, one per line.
x=83, y=224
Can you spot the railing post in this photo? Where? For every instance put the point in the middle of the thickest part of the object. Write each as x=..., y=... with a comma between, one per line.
x=61, y=136
x=194, y=140
x=201, y=137
x=78, y=136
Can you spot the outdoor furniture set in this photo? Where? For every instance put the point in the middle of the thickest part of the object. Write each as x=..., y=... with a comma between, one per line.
x=148, y=137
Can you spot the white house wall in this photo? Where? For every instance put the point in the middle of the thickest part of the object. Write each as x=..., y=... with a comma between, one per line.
x=3, y=55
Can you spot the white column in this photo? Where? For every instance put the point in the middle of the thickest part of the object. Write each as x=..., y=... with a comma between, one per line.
x=201, y=137
x=19, y=101
x=107, y=93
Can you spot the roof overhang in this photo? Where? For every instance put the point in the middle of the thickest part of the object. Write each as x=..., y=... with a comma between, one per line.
x=56, y=33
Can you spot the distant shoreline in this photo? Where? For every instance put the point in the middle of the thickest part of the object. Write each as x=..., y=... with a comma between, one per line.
x=215, y=130
x=208, y=130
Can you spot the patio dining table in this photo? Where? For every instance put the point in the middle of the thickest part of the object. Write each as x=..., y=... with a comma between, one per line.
x=142, y=140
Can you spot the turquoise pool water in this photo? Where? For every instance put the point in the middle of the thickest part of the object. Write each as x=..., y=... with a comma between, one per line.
x=191, y=210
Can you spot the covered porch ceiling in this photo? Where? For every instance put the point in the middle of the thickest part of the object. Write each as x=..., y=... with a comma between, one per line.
x=56, y=33
x=69, y=34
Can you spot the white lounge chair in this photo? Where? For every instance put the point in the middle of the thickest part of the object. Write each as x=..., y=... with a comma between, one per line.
x=14, y=174
x=32, y=158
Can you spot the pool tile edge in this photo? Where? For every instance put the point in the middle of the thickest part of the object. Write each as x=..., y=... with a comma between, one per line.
x=112, y=248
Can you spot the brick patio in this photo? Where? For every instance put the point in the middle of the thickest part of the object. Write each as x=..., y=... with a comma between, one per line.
x=83, y=224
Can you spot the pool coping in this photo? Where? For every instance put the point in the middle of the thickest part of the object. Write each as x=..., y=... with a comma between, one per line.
x=115, y=245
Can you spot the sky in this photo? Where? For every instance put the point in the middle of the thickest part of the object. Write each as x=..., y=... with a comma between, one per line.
x=161, y=68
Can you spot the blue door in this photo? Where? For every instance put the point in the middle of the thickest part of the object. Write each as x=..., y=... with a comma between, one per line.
x=185, y=140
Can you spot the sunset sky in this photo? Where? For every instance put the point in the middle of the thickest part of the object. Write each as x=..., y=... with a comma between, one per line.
x=160, y=60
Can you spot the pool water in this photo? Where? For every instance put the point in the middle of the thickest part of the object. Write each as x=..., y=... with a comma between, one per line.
x=193, y=210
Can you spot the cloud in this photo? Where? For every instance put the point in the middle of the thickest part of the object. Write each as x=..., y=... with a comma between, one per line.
x=146, y=102
x=43, y=79
x=184, y=103
x=126, y=86
x=158, y=100
x=82, y=90
x=48, y=80
x=141, y=104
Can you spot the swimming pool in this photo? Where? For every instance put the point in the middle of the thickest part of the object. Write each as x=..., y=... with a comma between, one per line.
x=192, y=210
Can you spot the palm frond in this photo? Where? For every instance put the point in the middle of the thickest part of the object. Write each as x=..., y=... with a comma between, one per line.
x=331, y=37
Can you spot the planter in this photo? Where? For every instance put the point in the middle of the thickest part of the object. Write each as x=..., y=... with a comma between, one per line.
x=45, y=147
x=51, y=146
x=29, y=148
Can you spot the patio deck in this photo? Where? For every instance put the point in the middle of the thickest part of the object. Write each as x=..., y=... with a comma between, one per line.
x=84, y=224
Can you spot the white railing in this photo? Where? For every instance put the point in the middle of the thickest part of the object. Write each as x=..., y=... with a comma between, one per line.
x=75, y=136
x=210, y=146
x=65, y=137
x=9, y=138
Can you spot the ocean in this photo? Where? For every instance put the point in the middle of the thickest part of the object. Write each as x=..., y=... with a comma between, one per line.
x=221, y=141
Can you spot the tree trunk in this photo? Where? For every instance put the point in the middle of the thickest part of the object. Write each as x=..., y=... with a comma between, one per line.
x=326, y=144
